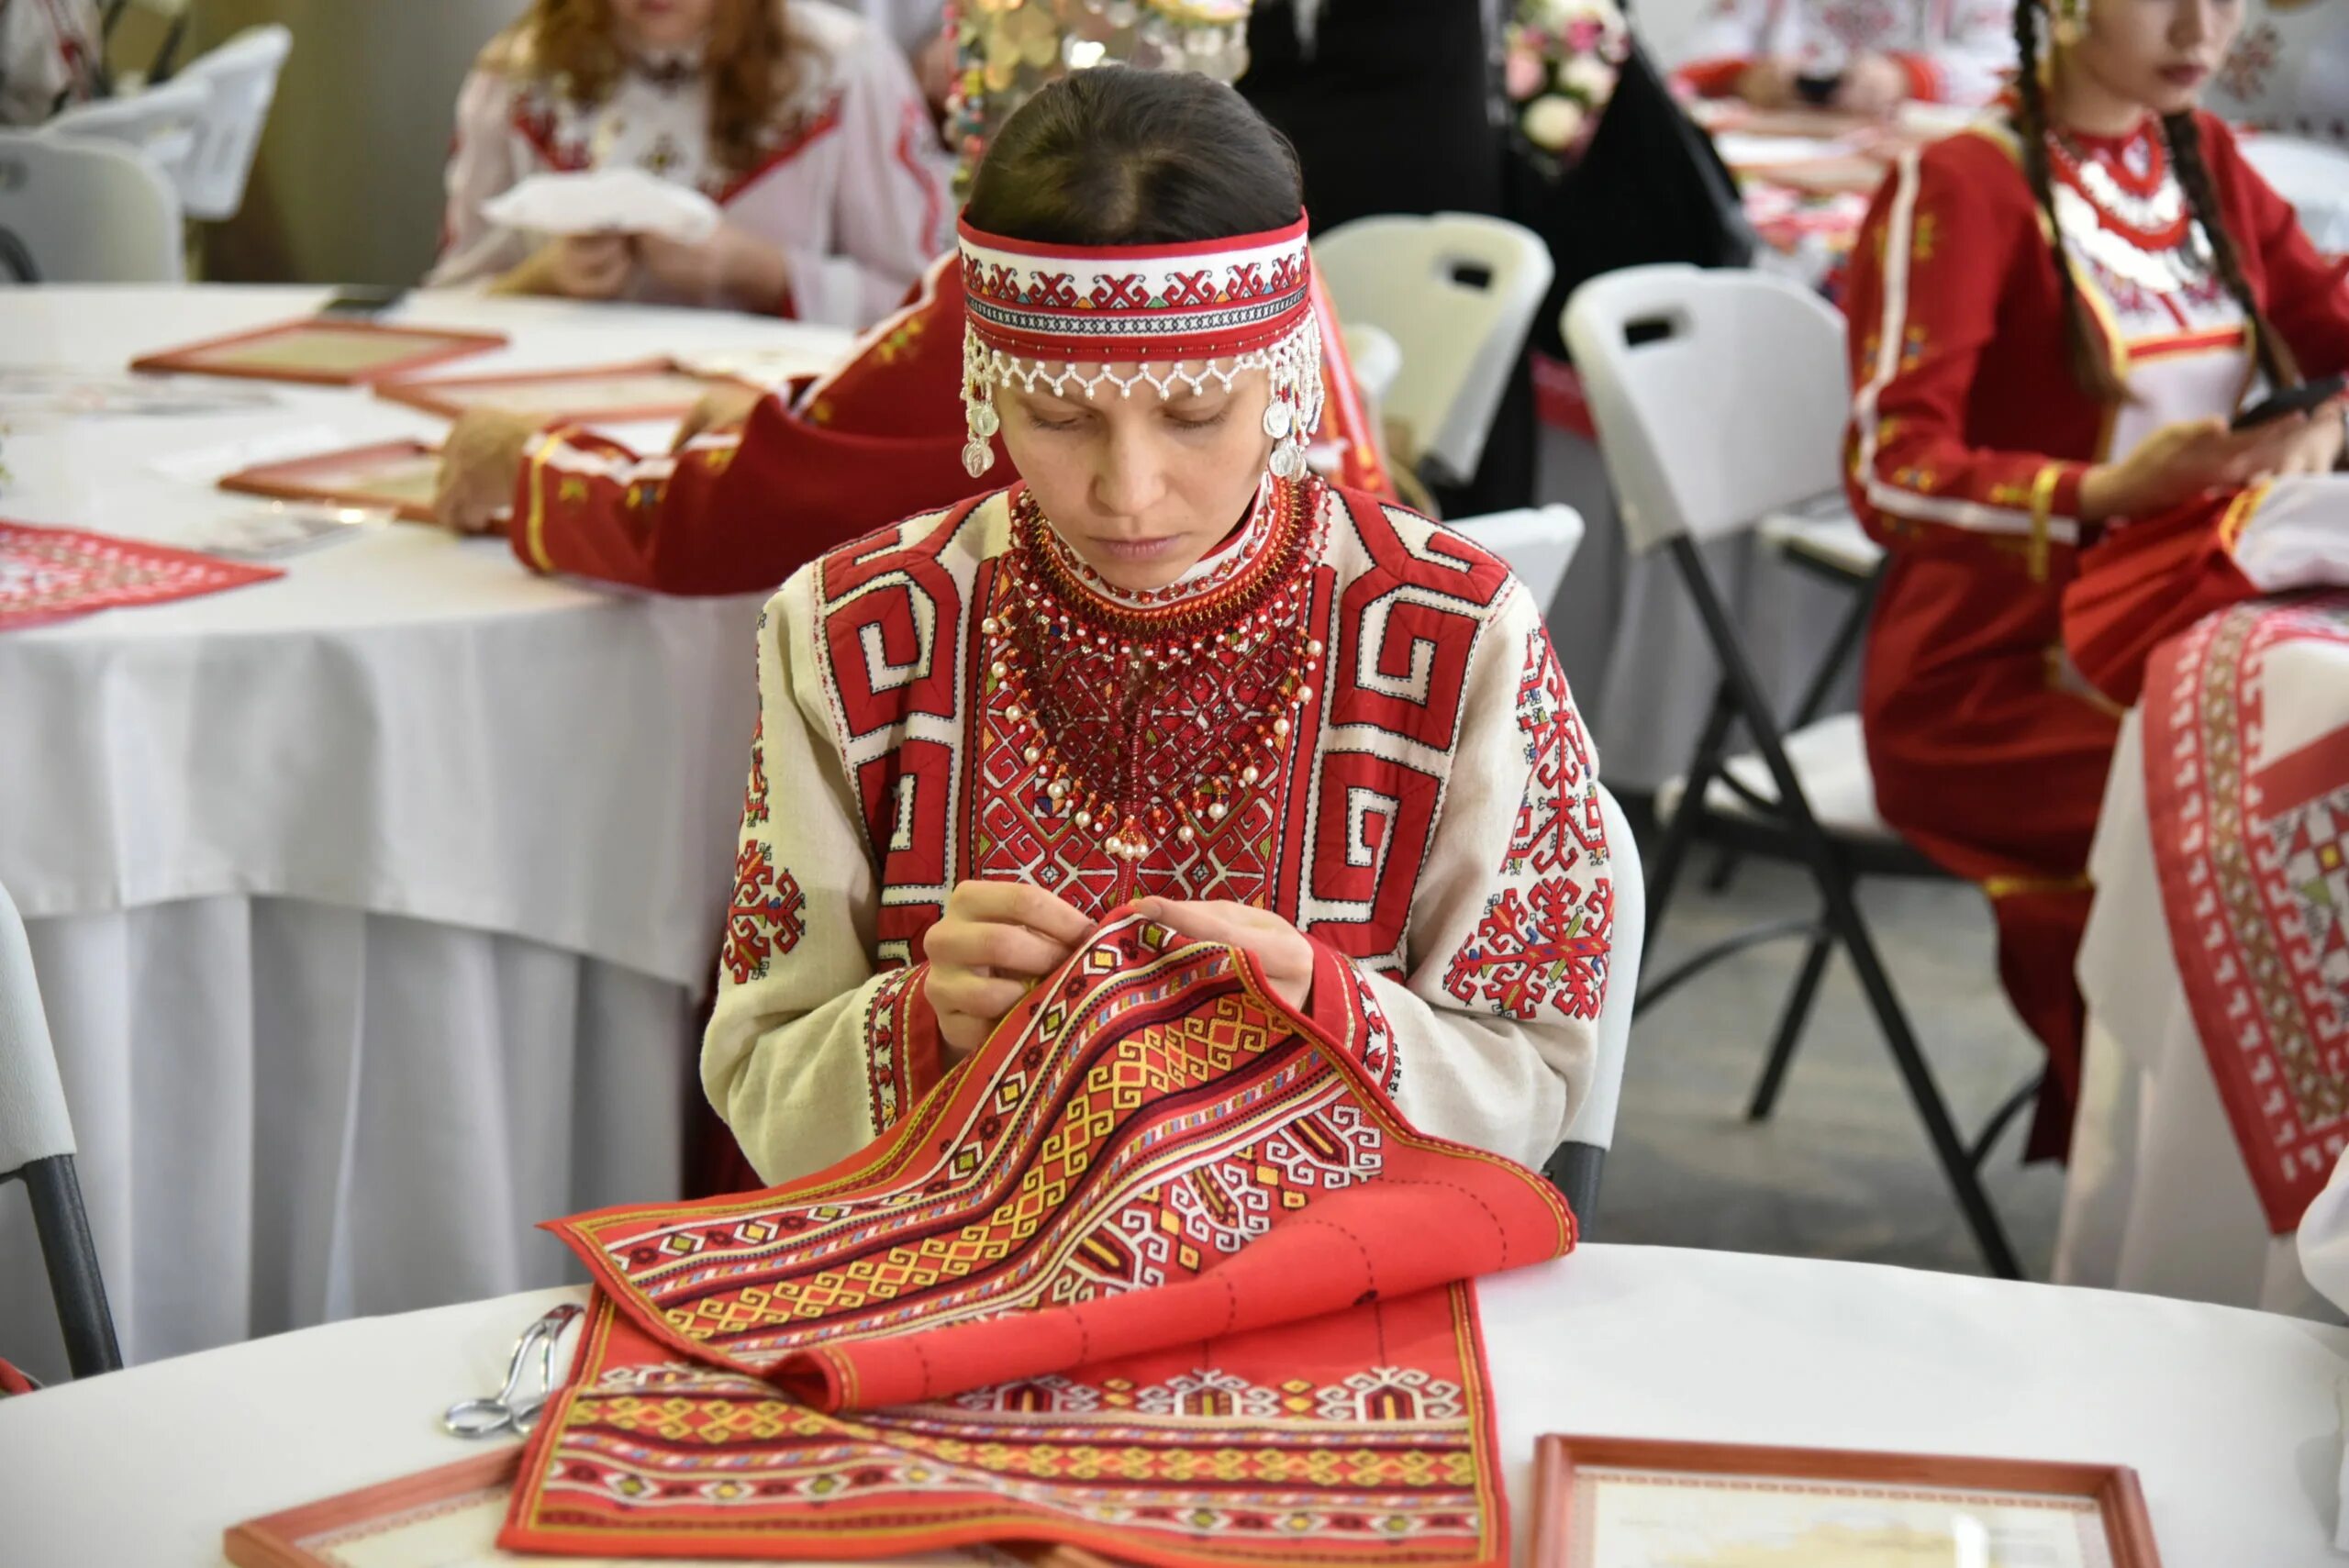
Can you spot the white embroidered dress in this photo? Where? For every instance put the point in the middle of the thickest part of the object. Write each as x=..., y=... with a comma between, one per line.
x=1425, y=810
x=852, y=185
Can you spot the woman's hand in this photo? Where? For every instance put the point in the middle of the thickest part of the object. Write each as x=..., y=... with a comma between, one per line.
x=2316, y=448
x=1285, y=953
x=2180, y=462
x=578, y=266
x=480, y=462
x=1872, y=85
x=730, y=267
x=993, y=941
x=1767, y=84
x=721, y=407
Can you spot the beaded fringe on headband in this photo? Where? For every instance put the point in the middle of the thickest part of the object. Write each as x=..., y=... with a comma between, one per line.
x=1062, y=317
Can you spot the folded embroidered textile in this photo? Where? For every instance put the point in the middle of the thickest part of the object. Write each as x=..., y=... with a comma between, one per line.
x=600, y=201
x=1159, y=1272
x=2246, y=749
x=47, y=574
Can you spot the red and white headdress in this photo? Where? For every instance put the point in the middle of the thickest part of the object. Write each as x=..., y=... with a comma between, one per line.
x=1126, y=316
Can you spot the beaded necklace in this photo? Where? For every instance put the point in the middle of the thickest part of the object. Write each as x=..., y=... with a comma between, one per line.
x=1147, y=716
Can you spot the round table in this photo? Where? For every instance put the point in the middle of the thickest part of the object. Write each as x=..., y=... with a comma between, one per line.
x=2228, y=1416
x=370, y=905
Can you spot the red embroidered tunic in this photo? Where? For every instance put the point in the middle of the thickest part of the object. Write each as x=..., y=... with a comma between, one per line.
x=1424, y=809
x=1968, y=443
x=879, y=439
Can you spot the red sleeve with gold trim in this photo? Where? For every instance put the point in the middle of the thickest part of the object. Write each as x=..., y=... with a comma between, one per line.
x=1925, y=301
x=2305, y=295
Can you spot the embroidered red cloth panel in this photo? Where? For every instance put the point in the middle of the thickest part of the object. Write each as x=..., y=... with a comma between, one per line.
x=53, y=573
x=1159, y=1272
x=2251, y=840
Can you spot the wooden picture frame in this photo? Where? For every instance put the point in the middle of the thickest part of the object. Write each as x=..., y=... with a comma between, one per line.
x=1561, y=1539
x=450, y=396
x=293, y=1539
x=275, y=353
x=326, y=476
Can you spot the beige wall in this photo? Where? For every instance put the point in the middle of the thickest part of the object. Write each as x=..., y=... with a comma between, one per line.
x=348, y=186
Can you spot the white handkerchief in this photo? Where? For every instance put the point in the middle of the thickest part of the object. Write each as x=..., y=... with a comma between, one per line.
x=626, y=200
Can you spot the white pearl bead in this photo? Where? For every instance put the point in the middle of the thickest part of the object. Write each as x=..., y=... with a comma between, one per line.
x=1215, y=811
x=1280, y=726
x=1187, y=832
x=1085, y=819
x=1249, y=773
x=1032, y=755
x=990, y=626
x=1057, y=789
x=1314, y=648
x=999, y=669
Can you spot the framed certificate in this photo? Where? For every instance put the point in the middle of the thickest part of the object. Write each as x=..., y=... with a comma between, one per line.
x=645, y=389
x=394, y=476
x=323, y=352
x=1621, y=1503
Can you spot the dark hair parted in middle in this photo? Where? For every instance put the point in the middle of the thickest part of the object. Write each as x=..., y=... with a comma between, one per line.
x=1115, y=156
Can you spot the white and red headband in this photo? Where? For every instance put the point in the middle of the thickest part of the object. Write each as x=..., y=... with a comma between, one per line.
x=1133, y=315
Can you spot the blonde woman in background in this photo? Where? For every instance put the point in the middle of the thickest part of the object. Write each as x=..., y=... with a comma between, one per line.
x=800, y=120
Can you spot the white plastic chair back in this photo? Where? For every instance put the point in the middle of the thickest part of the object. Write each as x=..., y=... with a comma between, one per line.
x=1457, y=292
x=242, y=76
x=1593, y=1121
x=84, y=212
x=162, y=125
x=1720, y=395
x=1377, y=360
x=33, y=1123
x=2311, y=176
x=1537, y=543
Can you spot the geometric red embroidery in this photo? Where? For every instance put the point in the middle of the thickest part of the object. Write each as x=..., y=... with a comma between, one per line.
x=755, y=796
x=1559, y=821
x=1549, y=945
x=766, y=916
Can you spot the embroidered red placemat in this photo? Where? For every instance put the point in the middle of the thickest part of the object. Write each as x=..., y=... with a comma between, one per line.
x=2252, y=853
x=1159, y=1272
x=50, y=575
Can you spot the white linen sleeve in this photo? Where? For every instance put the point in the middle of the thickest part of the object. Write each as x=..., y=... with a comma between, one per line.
x=891, y=207
x=482, y=165
x=1495, y=1025
x=811, y=1050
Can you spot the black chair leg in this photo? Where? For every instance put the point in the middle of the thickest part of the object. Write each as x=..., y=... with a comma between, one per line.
x=73, y=1260
x=1956, y=1160
x=1680, y=833
x=2016, y=1104
x=1790, y=1025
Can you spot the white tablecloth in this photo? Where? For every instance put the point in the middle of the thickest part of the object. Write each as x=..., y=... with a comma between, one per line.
x=2227, y=1416
x=2157, y=1196
x=365, y=896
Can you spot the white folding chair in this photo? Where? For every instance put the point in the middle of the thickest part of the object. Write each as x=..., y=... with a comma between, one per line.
x=84, y=212
x=1377, y=360
x=36, y=1146
x=1457, y=292
x=2311, y=176
x=1719, y=398
x=241, y=80
x=1590, y=1130
x=161, y=123
x=1537, y=543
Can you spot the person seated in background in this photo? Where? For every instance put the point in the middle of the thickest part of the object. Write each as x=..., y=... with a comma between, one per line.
x=1167, y=667
x=2052, y=316
x=801, y=121
x=741, y=506
x=2289, y=70
x=52, y=54
x=1862, y=58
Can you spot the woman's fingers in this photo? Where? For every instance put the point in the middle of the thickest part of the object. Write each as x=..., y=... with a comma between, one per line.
x=981, y=996
x=1018, y=903
x=1014, y=950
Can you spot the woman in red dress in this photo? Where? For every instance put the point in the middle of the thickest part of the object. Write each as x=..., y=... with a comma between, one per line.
x=2054, y=314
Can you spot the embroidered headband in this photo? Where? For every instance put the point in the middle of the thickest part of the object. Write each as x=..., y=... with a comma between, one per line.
x=1061, y=316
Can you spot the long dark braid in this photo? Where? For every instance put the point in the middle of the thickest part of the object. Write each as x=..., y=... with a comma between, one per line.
x=2092, y=363
x=2184, y=135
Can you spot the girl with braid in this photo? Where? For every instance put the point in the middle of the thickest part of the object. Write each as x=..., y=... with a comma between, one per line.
x=2054, y=315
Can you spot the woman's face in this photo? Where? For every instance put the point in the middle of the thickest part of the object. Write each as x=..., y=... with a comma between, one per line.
x=2155, y=52
x=1141, y=487
x=657, y=25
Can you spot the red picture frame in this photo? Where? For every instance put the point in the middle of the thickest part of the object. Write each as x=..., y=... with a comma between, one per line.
x=221, y=356
x=2119, y=1501
x=313, y=478
x=433, y=394
x=279, y=1541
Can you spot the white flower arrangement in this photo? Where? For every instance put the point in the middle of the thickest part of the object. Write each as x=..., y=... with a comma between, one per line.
x=1561, y=64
